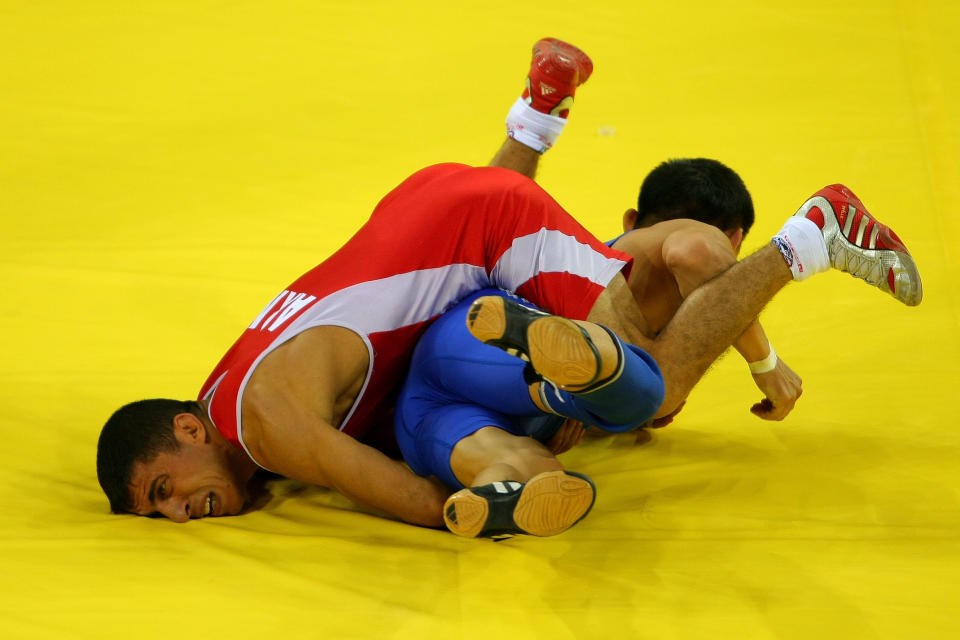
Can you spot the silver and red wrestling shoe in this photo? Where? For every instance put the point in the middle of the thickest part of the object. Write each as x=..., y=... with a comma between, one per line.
x=860, y=245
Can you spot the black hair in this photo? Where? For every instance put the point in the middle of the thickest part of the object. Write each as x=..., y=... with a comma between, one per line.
x=696, y=188
x=136, y=432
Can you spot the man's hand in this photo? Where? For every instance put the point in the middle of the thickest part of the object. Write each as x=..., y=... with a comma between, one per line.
x=662, y=421
x=782, y=388
x=568, y=436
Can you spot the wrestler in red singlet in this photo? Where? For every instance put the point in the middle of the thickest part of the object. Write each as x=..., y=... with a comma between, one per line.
x=446, y=231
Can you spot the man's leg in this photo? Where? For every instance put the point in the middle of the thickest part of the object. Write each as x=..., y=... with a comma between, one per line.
x=518, y=157
x=569, y=369
x=705, y=325
x=579, y=370
x=465, y=415
x=537, y=118
x=832, y=229
x=492, y=454
x=467, y=410
x=711, y=319
x=514, y=485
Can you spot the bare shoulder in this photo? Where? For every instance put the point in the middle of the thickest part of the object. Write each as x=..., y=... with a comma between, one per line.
x=648, y=240
x=319, y=347
x=651, y=282
x=327, y=358
x=304, y=385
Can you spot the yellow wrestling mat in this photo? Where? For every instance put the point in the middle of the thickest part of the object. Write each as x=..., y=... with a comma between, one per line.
x=167, y=166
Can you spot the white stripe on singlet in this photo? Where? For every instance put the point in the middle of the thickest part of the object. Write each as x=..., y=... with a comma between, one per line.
x=549, y=251
x=408, y=298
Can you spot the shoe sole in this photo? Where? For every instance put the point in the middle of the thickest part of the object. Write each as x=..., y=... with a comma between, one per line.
x=470, y=513
x=566, y=57
x=550, y=503
x=558, y=349
x=900, y=277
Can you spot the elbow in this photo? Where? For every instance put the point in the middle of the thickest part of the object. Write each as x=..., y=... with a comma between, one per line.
x=434, y=521
x=703, y=253
x=432, y=517
x=428, y=511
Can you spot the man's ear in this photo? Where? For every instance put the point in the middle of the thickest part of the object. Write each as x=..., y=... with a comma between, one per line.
x=736, y=238
x=189, y=429
x=629, y=220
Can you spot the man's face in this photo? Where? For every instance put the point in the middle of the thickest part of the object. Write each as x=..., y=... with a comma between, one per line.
x=194, y=481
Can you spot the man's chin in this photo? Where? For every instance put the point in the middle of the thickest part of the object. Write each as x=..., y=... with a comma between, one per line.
x=256, y=494
x=237, y=506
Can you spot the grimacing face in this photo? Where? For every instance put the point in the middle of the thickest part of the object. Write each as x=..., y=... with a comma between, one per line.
x=195, y=481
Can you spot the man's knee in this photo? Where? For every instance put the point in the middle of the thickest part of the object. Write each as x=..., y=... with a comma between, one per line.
x=493, y=446
x=628, y=400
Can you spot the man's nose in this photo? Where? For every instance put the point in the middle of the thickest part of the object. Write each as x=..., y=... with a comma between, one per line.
x=177, y=509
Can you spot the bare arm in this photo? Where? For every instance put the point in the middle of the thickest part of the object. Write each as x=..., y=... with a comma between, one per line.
x=317, y=453
x=290, y=406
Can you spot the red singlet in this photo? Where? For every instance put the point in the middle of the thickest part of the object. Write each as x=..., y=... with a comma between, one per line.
x=444, y=232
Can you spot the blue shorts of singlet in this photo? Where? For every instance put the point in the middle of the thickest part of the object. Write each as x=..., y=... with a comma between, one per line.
x=458, y=385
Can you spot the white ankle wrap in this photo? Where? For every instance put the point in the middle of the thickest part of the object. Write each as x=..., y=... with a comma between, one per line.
x=530, y=127
x=803, y=247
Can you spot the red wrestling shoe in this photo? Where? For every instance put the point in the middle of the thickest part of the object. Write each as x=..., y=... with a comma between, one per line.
x=556, y=71
x=861, y=246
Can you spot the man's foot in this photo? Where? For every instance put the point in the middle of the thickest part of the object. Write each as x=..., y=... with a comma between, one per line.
x=548, y=504
x=556, y=71
x=560, y=350
x=861, y=246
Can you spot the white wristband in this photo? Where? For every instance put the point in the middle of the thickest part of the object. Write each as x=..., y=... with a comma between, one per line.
x=766, y=365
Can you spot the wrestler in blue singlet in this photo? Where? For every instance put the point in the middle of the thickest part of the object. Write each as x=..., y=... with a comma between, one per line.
x=458, y=385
